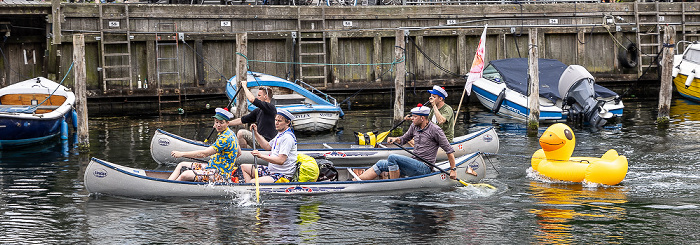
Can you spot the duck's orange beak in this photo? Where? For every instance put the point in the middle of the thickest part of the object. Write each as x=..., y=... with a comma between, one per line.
x=551, y=142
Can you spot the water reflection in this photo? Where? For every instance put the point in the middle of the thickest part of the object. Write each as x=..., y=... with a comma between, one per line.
x=685, y=112
x=46, y=151
x=562, y=208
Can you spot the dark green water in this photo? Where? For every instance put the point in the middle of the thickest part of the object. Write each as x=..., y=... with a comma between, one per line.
x=43, y=200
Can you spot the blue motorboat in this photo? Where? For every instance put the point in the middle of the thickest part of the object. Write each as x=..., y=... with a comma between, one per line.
x=34, y=110
x=314, y=110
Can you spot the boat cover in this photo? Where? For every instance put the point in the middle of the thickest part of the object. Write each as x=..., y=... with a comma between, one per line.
x=514, y=74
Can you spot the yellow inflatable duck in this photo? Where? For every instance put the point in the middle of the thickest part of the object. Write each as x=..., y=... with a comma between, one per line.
x=554, y=160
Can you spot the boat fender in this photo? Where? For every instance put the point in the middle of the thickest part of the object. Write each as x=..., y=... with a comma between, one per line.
x=499, y=101
x=690, y=78
x=74, y=118
x=628, y=56
x=64, y=130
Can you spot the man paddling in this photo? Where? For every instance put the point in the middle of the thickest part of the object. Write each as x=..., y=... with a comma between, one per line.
x=263, y=116
x=221, y=166
x=428, y=138
x=283, y=152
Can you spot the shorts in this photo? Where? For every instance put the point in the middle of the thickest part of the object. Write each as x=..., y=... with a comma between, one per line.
x=264, y=171
x=202, y=174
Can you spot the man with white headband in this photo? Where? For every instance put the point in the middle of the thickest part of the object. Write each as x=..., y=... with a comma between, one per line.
x=445, y=119
x=283, y=151
x=225, y=149
x=428, y=138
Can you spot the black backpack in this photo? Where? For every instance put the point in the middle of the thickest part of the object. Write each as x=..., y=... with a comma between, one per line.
x=327, y=171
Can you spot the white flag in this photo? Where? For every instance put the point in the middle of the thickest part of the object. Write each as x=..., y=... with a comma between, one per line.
x=478, y=64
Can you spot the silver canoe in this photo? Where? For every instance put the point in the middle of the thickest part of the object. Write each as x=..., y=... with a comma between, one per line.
x=341, y=154
x=108, y=178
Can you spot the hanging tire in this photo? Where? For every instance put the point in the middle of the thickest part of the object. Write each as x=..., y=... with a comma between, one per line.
x=628, y=57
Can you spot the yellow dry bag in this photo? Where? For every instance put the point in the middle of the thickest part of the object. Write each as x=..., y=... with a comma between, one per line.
x=307, y=169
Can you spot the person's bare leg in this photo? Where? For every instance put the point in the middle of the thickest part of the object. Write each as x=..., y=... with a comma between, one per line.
x=241, y=139
x=186, y=176
x=245, y=169
x=178, y=169
x=369, y=174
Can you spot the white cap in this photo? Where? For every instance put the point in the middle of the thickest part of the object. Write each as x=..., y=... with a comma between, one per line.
x=223, y=114
x=286, y=114
x=439, y=91
x=421, y=110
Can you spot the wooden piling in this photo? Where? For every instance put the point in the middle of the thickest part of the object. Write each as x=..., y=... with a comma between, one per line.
x=533, y=117
x=241, y=71
x=662, y=119
x=400, y=80
x=56, y=22
x=80, y=88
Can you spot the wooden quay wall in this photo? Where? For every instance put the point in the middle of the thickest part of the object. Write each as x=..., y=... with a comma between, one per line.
x=442, y=40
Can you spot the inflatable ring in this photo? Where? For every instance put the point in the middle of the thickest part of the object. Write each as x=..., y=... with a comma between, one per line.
x=628, y=56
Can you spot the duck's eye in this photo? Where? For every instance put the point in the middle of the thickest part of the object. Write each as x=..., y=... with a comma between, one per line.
x=568, y=134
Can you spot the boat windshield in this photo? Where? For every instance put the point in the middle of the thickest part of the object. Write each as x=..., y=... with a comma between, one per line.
x=492, y=74
x=692, y=55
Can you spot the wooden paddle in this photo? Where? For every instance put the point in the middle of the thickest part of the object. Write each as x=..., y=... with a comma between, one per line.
x=255, y=169
x=441, y=170
x=227, y=106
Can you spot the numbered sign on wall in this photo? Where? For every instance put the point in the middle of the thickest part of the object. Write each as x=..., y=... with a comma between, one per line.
x=114, y=24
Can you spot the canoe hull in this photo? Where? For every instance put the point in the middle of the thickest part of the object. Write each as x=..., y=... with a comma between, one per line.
x=112, y=179
x=341, y=154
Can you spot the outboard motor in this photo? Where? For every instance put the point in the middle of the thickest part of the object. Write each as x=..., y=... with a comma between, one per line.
x=576, y=90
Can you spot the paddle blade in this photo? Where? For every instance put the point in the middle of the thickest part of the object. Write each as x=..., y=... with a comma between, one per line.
x=476, y=185
x=382, y=136
x=257, y=187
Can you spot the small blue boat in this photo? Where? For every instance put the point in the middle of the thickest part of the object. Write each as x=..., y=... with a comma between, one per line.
x=566, y=92
x=314, y=110
x=33, y=111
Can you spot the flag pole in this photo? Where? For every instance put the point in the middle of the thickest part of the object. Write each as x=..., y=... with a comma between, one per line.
x=458, y=107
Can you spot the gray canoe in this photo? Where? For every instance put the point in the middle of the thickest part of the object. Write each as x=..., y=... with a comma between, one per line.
x=112, y=179
x=341, y=154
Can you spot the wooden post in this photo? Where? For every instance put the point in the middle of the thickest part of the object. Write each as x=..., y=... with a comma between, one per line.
x=662, y=119
x=533, y=116
x=377, y=58
x=334, y=57
x=420, y=73
x=241, y=72
x=199, y=67
x=80, y=87
x=56, y=21
x=400, y=81
x=150, y=64
x=462, y=54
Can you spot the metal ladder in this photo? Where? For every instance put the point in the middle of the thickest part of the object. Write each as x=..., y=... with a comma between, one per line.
x=311, y=41
x=167, y=60
x=649, y=39
x=686, y=32
x=115, y=44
